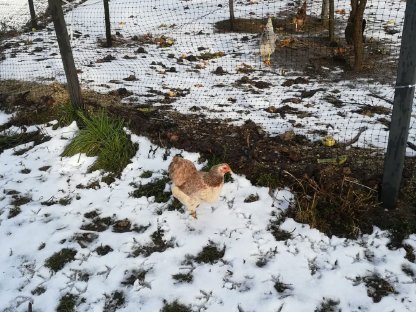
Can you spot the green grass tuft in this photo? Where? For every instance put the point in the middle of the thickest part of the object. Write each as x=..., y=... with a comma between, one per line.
x=183, y=277
x=66, y=114
x=158, y=244
x=252, y=198
x=328, y=305
x=146, y=174
x=281, y=287
x=67, y=303
x=58, y=260
x=13, y=212
x=38, y=291
x=210, y=254
x=13, y=140
x=154, y=188
x=175, y=307
x=114, y=301
x=105, y=138
x=269, y=180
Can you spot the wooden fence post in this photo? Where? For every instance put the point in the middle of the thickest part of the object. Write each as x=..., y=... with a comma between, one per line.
x=331, y=24
x=107, y=23
x=325, y=12
x=232, y=17
x=66, y=53
x=402, y=108
x=32, y=15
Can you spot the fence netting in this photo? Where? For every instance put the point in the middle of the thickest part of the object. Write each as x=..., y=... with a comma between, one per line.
x=184, y=56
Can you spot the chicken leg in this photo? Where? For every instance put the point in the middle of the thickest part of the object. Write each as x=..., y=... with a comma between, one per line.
x=189, y=202
x=268, y=61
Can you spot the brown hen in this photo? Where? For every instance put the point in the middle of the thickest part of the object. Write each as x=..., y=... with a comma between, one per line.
x=191, y=187
x=300, y=17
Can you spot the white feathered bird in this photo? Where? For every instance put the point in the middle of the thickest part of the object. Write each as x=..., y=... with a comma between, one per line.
x=268, y=42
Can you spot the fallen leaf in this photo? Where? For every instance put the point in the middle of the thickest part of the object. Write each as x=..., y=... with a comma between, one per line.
x=336, y=160
x=340, y=11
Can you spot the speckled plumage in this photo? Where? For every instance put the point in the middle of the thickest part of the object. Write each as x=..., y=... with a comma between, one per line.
x=191, y=187
x=268, y=42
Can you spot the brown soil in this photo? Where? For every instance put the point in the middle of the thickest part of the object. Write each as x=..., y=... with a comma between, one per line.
x=281, y=161
x=284, y=159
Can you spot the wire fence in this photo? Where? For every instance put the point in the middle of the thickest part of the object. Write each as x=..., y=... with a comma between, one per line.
x=184, y=56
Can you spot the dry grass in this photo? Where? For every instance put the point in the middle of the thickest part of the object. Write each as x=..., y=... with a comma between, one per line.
x=339, y=200
x=333, y=203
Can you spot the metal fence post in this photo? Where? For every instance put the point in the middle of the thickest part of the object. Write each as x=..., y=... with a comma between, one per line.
x=402, y=108
x=107, y=23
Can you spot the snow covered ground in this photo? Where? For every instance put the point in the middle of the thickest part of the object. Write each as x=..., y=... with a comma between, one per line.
x=135, y=254
x=336, y=106
x=68, y=209
x=15, y=14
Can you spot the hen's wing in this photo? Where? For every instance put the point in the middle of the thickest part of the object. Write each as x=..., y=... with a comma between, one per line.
x=267, y=40
x=181, y=170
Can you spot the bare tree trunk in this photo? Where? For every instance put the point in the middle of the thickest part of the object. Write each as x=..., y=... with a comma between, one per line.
x=325, y=12
x=232, y=17
x=358, y=40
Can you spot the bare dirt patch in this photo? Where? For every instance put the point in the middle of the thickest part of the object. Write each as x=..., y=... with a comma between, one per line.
x=273, y=161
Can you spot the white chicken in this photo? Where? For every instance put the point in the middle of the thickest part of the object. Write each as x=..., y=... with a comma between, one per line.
x=192, y=187
x=268, y=42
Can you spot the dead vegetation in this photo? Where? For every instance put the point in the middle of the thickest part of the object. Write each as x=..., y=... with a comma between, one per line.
x=334, y=208
x=338, y=198
x=211, y=254
x=377, y=286
x=175, y=306
x=312, y=49
x=13, y=140
x=158, y=244
x=155, y=189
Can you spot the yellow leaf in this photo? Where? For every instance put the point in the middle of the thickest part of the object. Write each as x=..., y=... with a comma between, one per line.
x=335, y=161
x=328, y=141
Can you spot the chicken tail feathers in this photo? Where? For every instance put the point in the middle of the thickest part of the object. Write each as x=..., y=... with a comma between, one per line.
x=181, y=170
